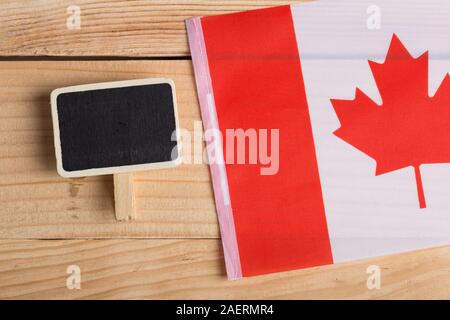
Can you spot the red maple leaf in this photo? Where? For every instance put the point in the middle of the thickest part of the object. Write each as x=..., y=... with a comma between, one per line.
x=409, y=128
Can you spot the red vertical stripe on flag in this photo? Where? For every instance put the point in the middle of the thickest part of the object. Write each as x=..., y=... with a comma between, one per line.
x=257, y=80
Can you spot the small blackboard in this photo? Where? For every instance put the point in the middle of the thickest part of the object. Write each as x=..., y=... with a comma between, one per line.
x=115, y=127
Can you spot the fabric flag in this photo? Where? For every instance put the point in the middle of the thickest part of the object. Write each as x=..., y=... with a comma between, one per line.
x=350, y=104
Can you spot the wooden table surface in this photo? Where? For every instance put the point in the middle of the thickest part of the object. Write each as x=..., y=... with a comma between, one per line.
x=48, y=223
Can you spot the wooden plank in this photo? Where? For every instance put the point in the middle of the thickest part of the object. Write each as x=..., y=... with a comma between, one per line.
x=107, y=28
x=194, y=269
x=36, y=203
x=124, y=200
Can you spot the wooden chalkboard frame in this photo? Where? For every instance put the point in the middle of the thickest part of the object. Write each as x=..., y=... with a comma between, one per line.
x=114, y=169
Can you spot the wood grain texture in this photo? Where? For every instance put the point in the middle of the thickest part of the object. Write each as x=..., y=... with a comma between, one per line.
x=194, y=269
x=37, y=203
x=108, y=28
x=124, y=200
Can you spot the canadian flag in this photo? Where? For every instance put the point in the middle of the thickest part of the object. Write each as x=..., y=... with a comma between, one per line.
x=360, y=96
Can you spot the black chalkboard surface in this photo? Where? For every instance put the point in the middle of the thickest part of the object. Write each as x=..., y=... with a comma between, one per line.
x=115, y=127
